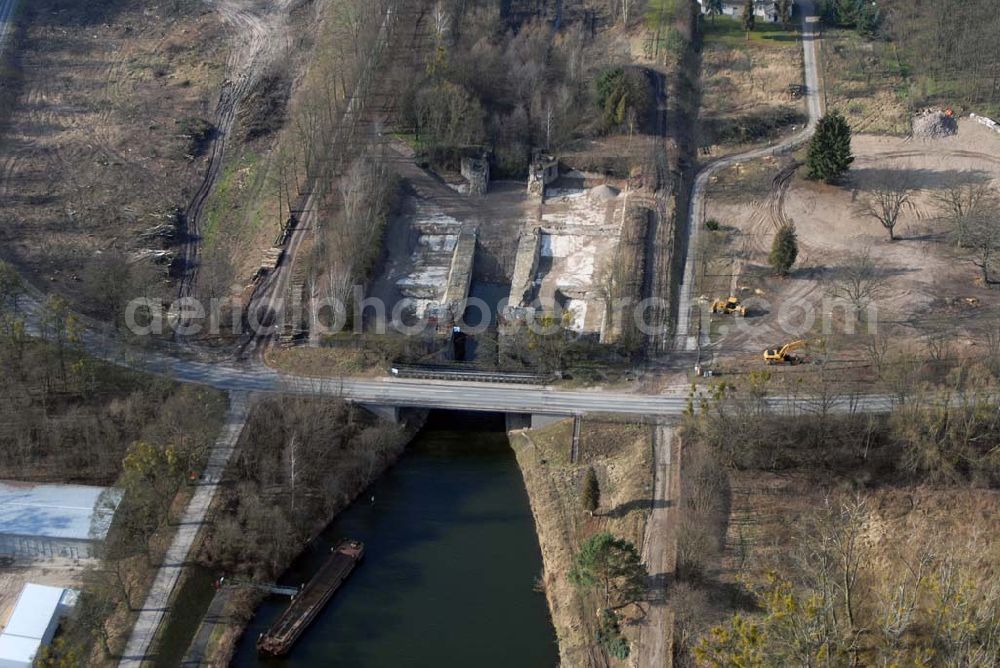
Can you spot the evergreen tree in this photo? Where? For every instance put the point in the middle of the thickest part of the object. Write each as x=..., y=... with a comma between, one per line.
x=830, y=150
x=591, y=497
x=714, y=8
x=749, y=18
x=613, y=565
x=784, y=249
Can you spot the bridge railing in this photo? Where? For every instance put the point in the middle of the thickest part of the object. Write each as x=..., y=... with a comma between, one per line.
x=467, y=373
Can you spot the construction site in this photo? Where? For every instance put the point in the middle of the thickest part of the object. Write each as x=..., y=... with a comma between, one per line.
x=567, y=249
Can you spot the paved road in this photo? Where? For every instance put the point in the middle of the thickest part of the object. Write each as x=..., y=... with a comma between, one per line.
x=685, y=339
x=421, y=393
x=158, y=598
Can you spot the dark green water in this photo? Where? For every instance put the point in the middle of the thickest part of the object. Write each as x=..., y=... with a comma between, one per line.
x=451, y=558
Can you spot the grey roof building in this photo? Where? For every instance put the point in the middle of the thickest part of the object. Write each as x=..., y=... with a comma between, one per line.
x=40, y=521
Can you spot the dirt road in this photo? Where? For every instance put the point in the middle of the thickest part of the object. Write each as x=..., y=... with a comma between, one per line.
x=688, y=336
x=659, y=554
x=256, y=40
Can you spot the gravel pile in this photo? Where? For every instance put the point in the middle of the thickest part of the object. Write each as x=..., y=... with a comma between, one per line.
x=934, y=124
x=602, y=193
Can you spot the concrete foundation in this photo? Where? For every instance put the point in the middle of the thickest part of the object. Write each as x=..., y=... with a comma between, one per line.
x=542, y=171
x=476, y=170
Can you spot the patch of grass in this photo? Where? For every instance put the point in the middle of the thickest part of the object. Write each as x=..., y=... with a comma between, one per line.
x=729, y=32
x=191, y=601
x=659, y=12
x=227, y=196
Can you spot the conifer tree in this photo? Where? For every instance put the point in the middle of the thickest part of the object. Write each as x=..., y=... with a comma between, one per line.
x=784, y=249
x=830, y=150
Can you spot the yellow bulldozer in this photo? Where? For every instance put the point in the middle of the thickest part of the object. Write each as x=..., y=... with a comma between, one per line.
x=783, y=355
x=731, y=306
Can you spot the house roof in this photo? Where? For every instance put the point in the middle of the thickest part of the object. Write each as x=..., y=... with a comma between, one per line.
x=32, y=622
x=78, y=512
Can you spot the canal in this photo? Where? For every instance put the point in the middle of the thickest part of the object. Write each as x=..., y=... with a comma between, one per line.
x=451, y=561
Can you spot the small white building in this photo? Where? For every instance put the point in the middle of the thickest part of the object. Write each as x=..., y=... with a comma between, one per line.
x=33, y=622
x=764, y=9
x=47, y=521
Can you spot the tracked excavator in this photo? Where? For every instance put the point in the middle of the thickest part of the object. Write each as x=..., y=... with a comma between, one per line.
x=783, y=355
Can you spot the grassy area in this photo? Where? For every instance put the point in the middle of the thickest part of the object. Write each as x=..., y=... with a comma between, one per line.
x=190, y=602
x=229, y=197
x=867, y=81
x=728, y=31
x=621, y=456
x=747, y=85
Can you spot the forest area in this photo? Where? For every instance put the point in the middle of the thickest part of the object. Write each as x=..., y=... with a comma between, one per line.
x=70, y=418
x=947, y=53
x=842, y=539
x=300, y=462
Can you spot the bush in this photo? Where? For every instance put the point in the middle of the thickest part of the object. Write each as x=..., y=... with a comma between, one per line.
x=620, y=93
x=712, y=224
x=609, y=636
x=754, y=127
x=591, y=496
x=863, y=16
x=198, y=133
x=784, y=250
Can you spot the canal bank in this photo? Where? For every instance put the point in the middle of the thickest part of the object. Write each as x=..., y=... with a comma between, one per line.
x=450, y=569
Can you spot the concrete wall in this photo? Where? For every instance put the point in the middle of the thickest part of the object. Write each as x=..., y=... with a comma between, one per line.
x=477, y=172
x=460, y=274
x=542, y=171
x=529, y=248
x=34, y=547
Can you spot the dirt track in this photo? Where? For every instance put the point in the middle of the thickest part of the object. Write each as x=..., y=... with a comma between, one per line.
x=255, y=40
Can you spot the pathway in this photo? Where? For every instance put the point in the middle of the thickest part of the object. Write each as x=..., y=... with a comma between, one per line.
x=158, y=599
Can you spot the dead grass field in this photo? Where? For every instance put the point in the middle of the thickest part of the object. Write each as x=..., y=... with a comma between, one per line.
x=93, y=153
x=926, y=279
x=865, y=81
x=621, y=455
x=745, y=85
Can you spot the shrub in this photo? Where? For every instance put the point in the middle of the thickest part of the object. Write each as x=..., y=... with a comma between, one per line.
x=784, y=250
x=712, y=224
x=609, y=635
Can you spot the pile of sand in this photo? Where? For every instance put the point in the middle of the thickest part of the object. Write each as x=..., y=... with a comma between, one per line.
x=602, y=193
x=934, y=124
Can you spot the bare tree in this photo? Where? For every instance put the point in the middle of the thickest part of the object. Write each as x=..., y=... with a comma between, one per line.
x=858, y=281
x=958, y=202
x=980, y=232
x=890, y=195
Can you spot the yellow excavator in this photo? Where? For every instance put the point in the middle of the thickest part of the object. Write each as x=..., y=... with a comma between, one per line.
x=783, y=355
x=731, y=306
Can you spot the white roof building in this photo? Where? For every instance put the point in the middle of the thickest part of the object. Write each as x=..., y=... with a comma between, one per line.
x=33, y=622
x=765, y=9
x=54, y=520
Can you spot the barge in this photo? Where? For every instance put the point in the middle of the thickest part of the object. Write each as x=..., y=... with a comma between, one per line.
x=300, y=613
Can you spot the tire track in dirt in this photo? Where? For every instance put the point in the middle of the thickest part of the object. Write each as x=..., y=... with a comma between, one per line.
x=255, y=43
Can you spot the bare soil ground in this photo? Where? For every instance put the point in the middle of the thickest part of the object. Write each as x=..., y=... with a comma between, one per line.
x=926, y=280
x=745, y=83
x=54, y=572
x=621, y=455
x=93, y=153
